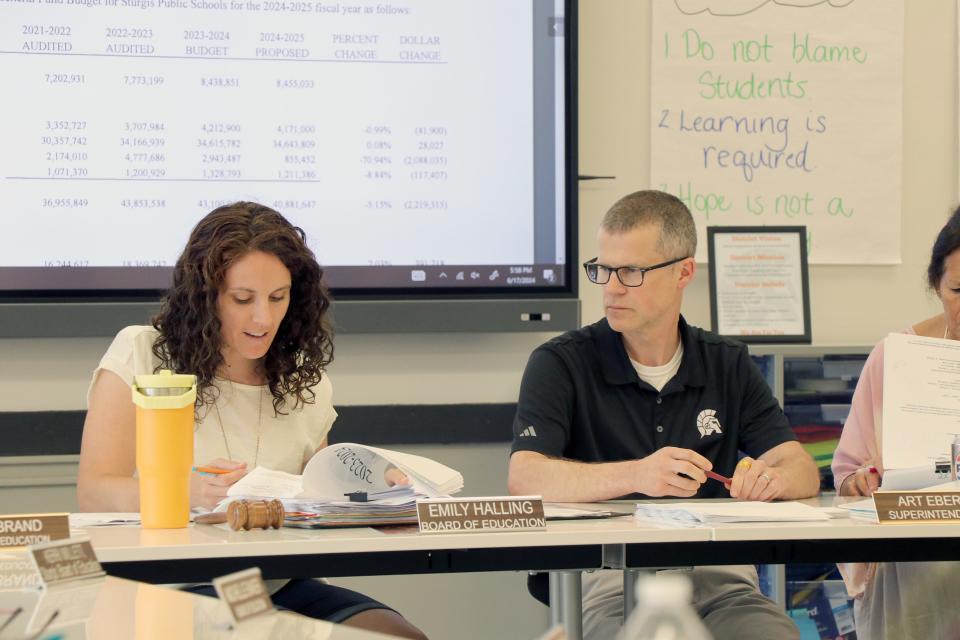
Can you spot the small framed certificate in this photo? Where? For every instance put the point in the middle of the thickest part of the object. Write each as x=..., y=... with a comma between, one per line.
x=759, y=288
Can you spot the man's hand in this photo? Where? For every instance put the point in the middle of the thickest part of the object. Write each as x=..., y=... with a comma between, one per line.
x=672, y=471
x=756, y=480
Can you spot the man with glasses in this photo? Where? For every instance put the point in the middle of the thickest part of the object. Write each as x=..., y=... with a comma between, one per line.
x=641, y=404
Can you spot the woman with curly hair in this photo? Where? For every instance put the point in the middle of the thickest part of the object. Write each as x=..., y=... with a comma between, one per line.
x=247, y=314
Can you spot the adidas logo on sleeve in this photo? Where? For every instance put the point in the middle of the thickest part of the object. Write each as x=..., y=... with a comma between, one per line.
x=529, y=432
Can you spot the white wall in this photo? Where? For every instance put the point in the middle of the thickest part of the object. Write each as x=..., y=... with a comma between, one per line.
x=849, y=304
x=852, y=305
x=43, y=374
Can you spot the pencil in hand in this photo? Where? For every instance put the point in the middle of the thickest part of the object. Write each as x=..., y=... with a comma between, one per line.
x=717, y=477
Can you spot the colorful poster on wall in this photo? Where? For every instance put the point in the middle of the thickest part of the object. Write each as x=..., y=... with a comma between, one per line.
x=783, y=112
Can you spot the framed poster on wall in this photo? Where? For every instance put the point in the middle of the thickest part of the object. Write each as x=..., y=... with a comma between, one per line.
x=759, y=287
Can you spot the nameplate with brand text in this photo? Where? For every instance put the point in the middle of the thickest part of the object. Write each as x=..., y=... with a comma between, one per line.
x=474, y=515
x=245, y=594
x=27, y=529
x=65, y=561
x=898, y=507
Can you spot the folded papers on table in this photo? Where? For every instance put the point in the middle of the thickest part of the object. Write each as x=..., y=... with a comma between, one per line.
x=708, y=512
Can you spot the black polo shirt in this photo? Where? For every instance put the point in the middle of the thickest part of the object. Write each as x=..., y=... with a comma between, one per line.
x=581, y=399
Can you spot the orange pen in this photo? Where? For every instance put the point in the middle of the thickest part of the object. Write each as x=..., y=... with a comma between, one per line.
x=212, y=471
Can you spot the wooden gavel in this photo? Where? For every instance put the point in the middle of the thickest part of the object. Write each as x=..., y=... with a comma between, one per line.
x=247, y=514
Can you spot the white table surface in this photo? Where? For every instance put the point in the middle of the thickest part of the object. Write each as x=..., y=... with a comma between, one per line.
x=132, y=543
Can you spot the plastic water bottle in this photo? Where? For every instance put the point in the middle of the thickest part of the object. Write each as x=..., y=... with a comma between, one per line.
x=663, y=610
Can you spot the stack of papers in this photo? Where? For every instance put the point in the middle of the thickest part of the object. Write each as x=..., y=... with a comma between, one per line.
x=397, y=506
x=915, y=478
x=695, y=513
x=320, y=497
x=346, y=468
x=921, y=406
x=563, y=512
x=861, y=509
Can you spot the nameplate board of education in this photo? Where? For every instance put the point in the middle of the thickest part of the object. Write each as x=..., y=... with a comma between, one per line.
x=759, y=290
x=895, y=507
x=65, y=561
x=33, y=528
x=245, y=594
x=476, y=515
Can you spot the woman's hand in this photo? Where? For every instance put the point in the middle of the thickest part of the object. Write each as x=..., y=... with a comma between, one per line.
x=208, y=489
x=394, y=477
x=862, y=482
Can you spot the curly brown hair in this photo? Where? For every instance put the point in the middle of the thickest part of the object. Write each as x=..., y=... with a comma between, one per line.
x=190, y=337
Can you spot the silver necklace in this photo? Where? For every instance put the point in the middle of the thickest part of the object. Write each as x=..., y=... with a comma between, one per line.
x=223, y=432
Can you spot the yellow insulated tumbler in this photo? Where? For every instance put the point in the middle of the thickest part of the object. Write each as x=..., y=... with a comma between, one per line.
x=164, y=404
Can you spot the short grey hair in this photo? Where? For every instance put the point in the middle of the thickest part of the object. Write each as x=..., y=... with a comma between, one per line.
x=678, y=233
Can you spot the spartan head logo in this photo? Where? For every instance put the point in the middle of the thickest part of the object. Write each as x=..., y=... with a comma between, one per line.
x=707, y=423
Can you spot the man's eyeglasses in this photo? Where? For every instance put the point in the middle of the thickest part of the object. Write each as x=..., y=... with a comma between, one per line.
x=629, y=276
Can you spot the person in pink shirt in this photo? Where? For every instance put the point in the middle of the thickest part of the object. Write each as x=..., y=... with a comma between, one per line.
x=900, y=600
